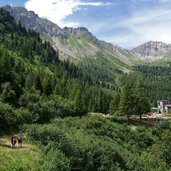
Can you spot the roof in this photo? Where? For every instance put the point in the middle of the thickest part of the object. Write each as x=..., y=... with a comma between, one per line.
x=154, y=108
x=168, y=105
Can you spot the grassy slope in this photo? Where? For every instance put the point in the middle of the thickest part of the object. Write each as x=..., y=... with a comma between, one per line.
x=101, y=64
x=83, y=44
x=27, y=158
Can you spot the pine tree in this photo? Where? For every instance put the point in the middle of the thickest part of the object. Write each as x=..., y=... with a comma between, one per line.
x=46, y=85
x=126, y=105
x=78, y=102
x=8, y=94
x=114, y=104
x=100, y=101
x=142, y=105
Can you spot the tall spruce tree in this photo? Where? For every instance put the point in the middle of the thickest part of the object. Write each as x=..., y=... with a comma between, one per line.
x=142, y=105
x=114, y=104
x=126, y=105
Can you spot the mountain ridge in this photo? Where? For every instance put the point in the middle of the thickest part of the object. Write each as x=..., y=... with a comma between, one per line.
x=152, y=50
x=79, y=44
x=73, y=43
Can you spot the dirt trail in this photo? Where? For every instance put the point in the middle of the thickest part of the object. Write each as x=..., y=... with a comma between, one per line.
x=5, y=145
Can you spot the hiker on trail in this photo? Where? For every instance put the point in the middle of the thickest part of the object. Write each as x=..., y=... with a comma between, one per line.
x=20, y=140
x=13, y=141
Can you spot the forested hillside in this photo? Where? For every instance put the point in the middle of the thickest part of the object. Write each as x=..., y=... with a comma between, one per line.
x=103, y=61
x=35, y=85
x=49, y=101
x=157, y=80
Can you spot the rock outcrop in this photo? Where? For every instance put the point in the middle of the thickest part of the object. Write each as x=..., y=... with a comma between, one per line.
x=152, y=50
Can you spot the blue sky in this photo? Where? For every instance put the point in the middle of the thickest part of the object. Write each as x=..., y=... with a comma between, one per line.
x=127, y=23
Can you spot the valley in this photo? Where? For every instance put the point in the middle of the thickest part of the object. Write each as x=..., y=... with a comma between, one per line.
x=53, y=79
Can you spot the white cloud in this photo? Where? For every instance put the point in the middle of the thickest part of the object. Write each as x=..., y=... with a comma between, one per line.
x=142, y=24
x=152, y=24
x=58, y=10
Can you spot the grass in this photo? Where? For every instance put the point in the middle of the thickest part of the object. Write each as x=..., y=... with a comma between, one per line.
x=118, y=62
x=27, y=158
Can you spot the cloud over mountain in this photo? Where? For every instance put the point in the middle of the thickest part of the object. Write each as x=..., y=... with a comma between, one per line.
x=58, y=10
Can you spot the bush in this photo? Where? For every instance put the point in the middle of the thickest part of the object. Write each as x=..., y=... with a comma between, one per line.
x=8, y=117
x=56, y=161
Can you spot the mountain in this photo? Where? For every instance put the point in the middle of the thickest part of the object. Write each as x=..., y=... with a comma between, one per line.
x=32, y=77
x=152, y=50
x=77, y=44
x=43, y=95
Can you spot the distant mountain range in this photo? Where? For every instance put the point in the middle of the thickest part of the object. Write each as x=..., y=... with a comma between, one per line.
x=73, y=43
x=80, y=45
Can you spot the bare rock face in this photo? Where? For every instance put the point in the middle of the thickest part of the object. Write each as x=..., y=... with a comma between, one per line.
x=30, y=20
x=152, y=50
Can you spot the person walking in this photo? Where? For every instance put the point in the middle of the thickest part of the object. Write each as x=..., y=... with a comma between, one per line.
x=13, y=141
x=20, y=141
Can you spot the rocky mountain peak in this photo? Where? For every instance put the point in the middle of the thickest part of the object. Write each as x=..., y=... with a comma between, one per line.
x=152, y=50
x=16, y=11
x=82, y=29
x=79, y=32
x=30, y=20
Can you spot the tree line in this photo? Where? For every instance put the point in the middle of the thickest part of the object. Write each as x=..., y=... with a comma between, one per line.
x=52, y=97
x=34, y=82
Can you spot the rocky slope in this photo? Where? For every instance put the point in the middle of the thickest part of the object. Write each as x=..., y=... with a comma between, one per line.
x=152, y=51
x=75, y=43
x=78, y=44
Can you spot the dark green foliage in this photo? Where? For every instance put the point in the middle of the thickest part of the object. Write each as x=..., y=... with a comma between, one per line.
x=56, y=160
x=114, y=104
x=126, y=105
x=102, y=75
x=38, y=89
x=142, y=105
x=157, y=81
x=27, y=44
x=6, y=66
x=8, y=95
x=133, y=100
x=34, y=81
x=8, y=117
x=94, y=143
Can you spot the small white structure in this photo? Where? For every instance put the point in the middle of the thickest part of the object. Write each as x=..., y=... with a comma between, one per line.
x=164, y=106
x=168, y=108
